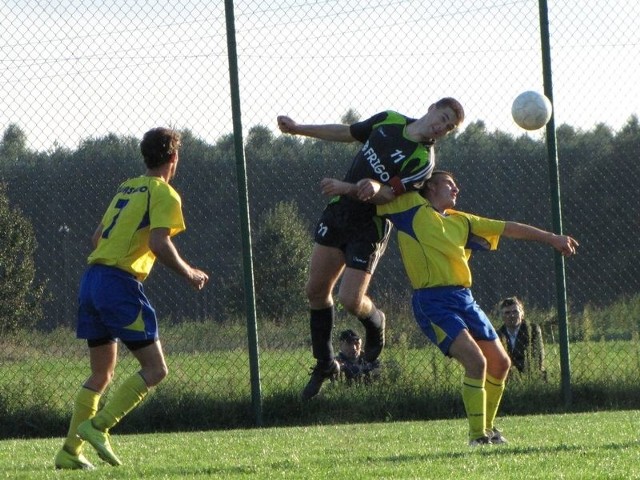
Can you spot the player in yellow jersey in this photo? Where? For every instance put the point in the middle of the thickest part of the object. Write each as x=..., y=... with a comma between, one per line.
x=436, y=243
x=135, y=230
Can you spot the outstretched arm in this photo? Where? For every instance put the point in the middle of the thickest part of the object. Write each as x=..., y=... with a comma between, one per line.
x=520, y=231
x=366, y=190
x=331, y=132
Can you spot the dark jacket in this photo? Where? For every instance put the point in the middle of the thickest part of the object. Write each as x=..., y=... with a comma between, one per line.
x=357, y=370
x=528, y=348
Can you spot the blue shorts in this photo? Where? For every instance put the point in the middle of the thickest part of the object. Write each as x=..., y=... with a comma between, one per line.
x=443, y=312
x=113, y=304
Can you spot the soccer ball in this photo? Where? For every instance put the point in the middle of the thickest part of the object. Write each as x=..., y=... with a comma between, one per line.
x=531, y=110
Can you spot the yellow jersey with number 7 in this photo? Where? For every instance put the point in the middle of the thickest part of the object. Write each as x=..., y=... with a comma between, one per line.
x=140, y=205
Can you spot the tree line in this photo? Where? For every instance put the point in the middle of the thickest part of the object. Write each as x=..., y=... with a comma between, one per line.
x=56, y=198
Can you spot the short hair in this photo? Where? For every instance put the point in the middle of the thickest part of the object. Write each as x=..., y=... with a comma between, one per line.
x=454, y=105
x=158, y=144
x=510, y=301
x=432, y=178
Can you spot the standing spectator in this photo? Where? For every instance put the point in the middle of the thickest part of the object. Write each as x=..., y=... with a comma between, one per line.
x=523, y=340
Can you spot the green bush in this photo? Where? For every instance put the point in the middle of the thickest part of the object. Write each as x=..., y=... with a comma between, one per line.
x=20, y=295
x=282, y=252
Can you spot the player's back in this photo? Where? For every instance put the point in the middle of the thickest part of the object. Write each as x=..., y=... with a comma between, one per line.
x=124, y=242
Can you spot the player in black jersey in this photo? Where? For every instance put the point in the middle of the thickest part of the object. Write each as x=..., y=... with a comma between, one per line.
x=349, y=237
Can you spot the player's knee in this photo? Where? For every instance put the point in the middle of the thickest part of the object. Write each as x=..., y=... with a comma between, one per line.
x=505, y=364
x=311, y=293
x=475, y=366
x=99, y=381
x=499, y=366
x=154, y=375
x=351, y=303
x=474, y=371
x=161, y=373
x=317, y=297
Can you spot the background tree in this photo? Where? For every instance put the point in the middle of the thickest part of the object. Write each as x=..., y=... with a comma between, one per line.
x=20, y=295
x=501, y=176
x=13, y=145
x=352, y=116
x=282, y=251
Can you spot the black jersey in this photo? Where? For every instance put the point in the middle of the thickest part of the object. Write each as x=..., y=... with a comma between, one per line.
x=388, y=156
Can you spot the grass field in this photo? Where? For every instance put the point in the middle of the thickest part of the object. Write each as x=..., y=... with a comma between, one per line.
x=211, y=389
x=570, y=446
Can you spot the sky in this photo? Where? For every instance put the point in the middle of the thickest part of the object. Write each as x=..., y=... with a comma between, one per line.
x=75, y=70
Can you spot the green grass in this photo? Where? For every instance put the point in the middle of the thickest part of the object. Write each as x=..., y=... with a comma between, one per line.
x=211, y=389
x=567, y=446
x=209, y=386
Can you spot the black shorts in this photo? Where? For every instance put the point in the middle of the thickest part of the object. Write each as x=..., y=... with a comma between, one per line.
x=362, y=238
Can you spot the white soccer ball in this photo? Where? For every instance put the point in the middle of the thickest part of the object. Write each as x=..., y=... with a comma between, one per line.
x=531, y=110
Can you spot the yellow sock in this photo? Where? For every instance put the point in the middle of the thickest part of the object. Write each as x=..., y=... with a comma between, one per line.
x=84, y=408
x=124, y=399
x=474, y=398
x=494, y=388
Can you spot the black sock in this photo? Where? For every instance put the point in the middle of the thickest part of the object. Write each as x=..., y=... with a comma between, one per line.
x=321, y=323
x=374, y=341
x=373, y=320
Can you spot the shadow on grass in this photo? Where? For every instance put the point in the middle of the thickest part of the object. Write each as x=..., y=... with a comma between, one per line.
x=171, y=410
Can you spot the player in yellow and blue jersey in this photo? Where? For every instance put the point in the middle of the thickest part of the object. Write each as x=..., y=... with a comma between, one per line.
x=350, y=239
x=135, y=230
x=436, y=243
